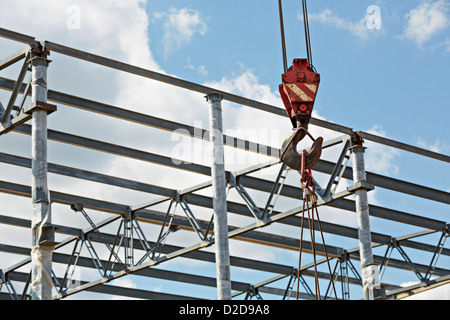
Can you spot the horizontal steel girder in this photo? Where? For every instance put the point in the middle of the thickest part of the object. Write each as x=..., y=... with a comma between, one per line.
x=246, y=181
x=404, y=187
x=75, y=53
x=157, y=218
x=206, y=201
x=152, y=273
x=115, y=290
x=321, y=166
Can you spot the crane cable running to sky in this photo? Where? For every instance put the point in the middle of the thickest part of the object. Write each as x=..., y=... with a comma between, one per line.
x=298, y=92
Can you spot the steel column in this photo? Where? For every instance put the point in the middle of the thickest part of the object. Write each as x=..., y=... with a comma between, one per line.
x=219, y=185
x=42, y=231
x=370, y=273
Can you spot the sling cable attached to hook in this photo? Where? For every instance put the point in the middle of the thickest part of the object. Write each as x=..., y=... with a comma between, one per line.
x=310, y=208
x=298, y=92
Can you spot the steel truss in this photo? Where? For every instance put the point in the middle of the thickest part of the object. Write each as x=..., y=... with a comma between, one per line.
x=130, y=250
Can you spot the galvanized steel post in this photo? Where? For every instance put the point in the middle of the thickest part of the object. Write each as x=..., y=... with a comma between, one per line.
x=219, y=198
x=42, y=231
x=370, y=272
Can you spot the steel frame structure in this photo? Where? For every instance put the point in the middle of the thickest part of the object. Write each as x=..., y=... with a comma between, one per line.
x=131, y=252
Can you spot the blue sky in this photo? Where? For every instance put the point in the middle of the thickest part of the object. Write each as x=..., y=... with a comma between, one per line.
x=392, y=81
x=376, y=78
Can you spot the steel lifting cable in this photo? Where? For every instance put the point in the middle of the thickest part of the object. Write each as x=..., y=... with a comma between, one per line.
x=306, y=181
x=283, y=40
x=307, y=35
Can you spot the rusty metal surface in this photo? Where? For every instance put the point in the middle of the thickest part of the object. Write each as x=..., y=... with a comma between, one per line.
x=292, y=158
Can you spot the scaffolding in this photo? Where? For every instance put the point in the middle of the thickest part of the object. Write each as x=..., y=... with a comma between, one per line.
x=131, y=250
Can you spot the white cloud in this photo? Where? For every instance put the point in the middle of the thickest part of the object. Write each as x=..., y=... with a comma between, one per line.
x=358, y=29
x=446, y=44
x=125, y=283
x=202, y=71
x=438, y=146
x=158, y=288
x=180, y=26
x=106, y=30
x=425, y=21
x=379, y=158
x=439, y=293
x=247, y=84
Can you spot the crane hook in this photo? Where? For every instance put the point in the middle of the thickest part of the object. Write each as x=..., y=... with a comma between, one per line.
x=292, y=158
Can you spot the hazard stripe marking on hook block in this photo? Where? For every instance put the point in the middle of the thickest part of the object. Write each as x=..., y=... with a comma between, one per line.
x=307, y=92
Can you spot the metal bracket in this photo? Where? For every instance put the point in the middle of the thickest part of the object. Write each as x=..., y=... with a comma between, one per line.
x=39, y=105
x=360, y=185
x=48, y=237
x=252, y=292
x=20, y=118
x=39, y=49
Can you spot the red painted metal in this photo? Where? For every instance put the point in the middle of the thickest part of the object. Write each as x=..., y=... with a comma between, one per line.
x=298, y=91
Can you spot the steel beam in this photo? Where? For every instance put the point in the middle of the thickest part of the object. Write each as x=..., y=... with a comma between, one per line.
x=116, y=290
x=239, y=262
x=386, y=182
x=250, y=182
x=207, y=90
x=322, y=166
x=152, y=273
x=166, y=249
x=286, y=271
x=5, y=117
x=246, y=234
x=232, y=207
x=13, y=58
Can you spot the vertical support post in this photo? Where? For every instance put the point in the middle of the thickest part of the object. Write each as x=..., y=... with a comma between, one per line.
x=42, y=231
x=219, y=198
x=370, y=272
